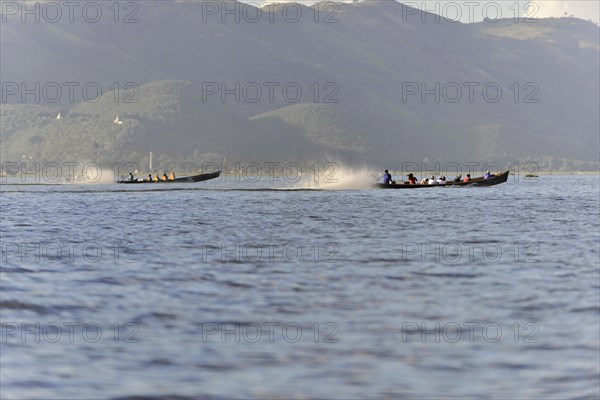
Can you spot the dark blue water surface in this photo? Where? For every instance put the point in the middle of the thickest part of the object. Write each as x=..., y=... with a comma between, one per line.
x=198, y=290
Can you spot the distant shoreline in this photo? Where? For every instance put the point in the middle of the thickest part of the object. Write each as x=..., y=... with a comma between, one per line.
x=278, y=173
x=523, y=173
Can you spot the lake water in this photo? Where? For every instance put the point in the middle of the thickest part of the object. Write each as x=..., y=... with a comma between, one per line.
x=208, y=291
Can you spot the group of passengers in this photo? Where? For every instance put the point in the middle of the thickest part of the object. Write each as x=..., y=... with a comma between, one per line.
x=171, y=177
x=412, y=180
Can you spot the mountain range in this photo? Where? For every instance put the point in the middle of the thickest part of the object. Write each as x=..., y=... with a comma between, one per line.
x=374, y=82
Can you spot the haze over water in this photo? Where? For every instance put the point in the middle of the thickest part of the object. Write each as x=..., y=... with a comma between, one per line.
x=204, y=291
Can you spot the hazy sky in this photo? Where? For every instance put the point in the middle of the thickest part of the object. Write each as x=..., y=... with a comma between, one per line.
x=475, y=11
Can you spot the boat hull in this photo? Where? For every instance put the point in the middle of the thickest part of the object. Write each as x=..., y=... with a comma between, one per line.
x=480, y=181
x=185, y=179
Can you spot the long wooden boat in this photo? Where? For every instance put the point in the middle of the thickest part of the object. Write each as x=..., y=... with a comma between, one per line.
x=185, y=179
x=479, y=181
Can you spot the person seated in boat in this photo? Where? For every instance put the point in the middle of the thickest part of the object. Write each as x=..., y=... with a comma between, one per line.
x=488, y=175
x=131, y=178
x=441, y=180
x=172, y=176
x=468, y=178
x=387, y=178
x=149, y=177
x=458, y=178
x=425, y=181
x=157, y=178
x=432, y=180
x=165, y=178
x=411, y=179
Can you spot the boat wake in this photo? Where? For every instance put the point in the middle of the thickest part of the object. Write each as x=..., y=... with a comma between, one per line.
x=94, y=177
x=337, y=177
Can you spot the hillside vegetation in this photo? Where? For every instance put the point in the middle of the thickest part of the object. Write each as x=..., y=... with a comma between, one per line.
x=358, y=78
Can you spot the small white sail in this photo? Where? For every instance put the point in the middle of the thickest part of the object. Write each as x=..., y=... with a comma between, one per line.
x=58, y=116
x=117, y=121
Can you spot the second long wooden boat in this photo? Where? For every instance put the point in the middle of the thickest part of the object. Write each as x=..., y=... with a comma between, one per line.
x=185, y=179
